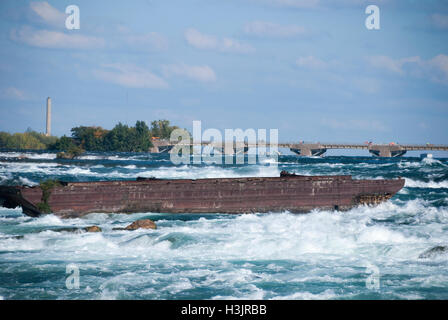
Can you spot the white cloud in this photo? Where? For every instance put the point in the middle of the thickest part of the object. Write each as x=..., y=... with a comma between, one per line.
x=269, y=29
x=394, y=65
x=48, y=14
x=199, y=73
x=199, y=40
x=202, y=41
x=310, y=62
x=440, y=62
x=435, y=69
x=59, y=39
x=130, y=76
x=440, y=20
x=384, y=62
x=232, y=45
x=55, y=39
x=438, y=68
x=14, y=93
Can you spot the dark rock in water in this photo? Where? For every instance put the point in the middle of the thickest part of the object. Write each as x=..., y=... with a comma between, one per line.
x=141, y=224
x=66, y=229
x=70, y=153
x=65, y=155
x=434, y=252
x=14, y=237
x=92, y=229
x=86, y=229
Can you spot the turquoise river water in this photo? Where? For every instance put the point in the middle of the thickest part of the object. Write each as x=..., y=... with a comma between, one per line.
x=278, y=255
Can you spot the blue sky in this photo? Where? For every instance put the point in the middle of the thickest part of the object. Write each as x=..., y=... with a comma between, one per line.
x=310, y=69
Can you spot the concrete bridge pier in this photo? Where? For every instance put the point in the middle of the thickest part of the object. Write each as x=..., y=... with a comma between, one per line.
x=308, y=150
x=387, y=151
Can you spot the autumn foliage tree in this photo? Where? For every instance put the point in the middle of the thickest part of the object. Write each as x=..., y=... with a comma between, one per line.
x=122, y=138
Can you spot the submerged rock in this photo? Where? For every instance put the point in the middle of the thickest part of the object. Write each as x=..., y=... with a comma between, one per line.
x=141, y=224
x=72, y=152
x=64, y=155
x=92, y=229
x=437, y=250
x=13, y=237
x=85, y=229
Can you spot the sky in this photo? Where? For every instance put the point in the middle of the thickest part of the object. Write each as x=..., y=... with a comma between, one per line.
x=310, y=69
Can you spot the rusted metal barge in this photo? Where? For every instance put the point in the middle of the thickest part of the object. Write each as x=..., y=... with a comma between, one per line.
x=288, y=192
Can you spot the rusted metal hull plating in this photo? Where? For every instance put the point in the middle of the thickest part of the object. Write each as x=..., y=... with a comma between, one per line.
x=223, y=195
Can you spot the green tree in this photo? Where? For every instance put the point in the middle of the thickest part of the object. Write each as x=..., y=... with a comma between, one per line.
x=142, y=137
x=46, y=140
x=63, y=144
x=4, y=139
x=118, y=139
x=89, y=138
x=128, y=139
x=27, y=140
x=121, y=138
x=162, y=129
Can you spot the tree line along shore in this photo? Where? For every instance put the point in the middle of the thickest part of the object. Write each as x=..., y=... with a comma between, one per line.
x=122, y=138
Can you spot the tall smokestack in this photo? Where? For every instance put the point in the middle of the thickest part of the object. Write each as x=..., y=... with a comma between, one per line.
x=48, y=133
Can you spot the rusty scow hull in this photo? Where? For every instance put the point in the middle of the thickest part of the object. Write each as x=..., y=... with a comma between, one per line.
x=292, y=193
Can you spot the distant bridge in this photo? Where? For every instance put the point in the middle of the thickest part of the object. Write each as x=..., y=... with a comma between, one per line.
x=305, y=149
x=379, y=150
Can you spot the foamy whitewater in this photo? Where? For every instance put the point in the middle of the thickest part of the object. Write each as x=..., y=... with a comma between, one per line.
x=321, y=255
